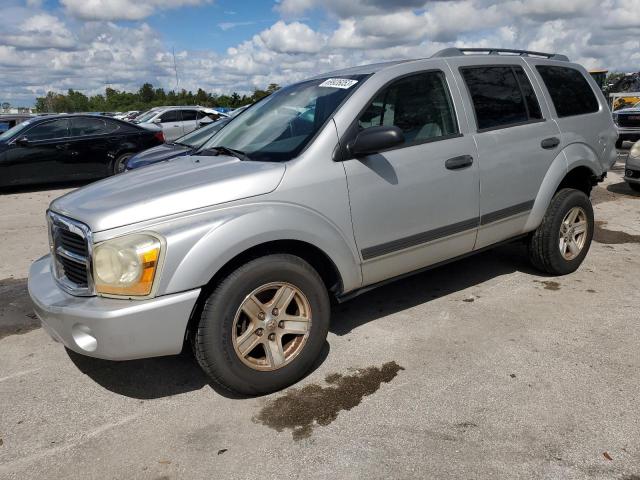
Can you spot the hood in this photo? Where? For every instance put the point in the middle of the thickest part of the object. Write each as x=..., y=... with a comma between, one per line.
x=187, y=183
x=157, y=154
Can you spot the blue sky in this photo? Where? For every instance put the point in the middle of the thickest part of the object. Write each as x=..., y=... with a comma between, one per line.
x=224, y=45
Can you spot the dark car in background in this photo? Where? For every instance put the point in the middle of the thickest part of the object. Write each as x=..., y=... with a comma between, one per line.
x=184, y=145
x=61, y=148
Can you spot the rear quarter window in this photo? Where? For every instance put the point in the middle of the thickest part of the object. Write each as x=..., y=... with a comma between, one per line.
x=569, y=90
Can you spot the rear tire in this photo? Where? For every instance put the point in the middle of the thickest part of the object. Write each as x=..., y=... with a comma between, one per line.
x=245, y=344
x=120, y=163
x=559, y=245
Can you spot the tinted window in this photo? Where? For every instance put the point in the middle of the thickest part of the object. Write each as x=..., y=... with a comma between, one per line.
x=188, y=115
x=170, y=116
x=420, y=105
x=569, y=90
x=91, y=126
x=497, y=97
x=532, y=104
x=49, y=130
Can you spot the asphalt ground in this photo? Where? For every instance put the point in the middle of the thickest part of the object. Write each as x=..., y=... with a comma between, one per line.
x=483, y=368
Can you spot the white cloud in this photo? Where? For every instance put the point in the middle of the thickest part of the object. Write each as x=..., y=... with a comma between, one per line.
x=40, y=31
x=294, y=37
x=122, y=9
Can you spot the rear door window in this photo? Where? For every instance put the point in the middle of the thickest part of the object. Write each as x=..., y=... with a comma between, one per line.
x=420, y=105
x=170, y=116
x=188, y=115
x=502, y=96
x=49, y=130
x=81, y=127
x=569, y=90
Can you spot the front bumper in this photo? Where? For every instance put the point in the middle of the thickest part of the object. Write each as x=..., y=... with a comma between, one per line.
x=110, y=328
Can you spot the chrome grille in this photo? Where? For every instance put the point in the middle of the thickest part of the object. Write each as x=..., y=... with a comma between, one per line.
x=70, y=243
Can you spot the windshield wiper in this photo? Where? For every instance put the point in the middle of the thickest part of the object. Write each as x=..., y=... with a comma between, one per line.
x=178, y=143
x=221, y=150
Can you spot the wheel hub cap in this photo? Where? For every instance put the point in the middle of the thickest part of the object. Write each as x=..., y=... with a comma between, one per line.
x=573, y=233
x=271, y=326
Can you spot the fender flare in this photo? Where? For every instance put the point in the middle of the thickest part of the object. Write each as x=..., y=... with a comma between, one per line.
x=571, y=157
x=236, y=232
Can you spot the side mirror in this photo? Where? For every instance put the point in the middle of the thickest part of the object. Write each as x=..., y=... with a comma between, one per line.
x=22, y=142
x=374, y=140
x=156, y=120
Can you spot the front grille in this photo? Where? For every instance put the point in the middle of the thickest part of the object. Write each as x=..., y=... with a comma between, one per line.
x=628, y=120
x=72, y=242
x=71, y=251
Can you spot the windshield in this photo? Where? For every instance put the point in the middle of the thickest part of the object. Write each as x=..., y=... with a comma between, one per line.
x=280, y=126
x=15, y=130
x=146, y=116
x=197, y=138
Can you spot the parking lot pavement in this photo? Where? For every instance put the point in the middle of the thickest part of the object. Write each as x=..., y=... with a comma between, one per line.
x=480, y=369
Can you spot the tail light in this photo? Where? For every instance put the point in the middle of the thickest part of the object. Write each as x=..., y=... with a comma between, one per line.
x=159, y=136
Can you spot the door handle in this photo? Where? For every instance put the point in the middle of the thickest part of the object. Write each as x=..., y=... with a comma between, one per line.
x=457, y=163
x=62, y=146
x=550, y=143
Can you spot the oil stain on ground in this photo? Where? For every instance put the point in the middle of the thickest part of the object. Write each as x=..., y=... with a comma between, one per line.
x=16, y=310
x=603, y=235
x=549, y=284
x=303, y=408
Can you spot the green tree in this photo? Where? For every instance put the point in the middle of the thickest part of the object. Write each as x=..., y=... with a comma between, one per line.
x=146, y=93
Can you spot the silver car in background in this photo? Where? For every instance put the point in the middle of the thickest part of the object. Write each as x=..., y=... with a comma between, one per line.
x=178, y=121
x=632, y=168
x=326, y=189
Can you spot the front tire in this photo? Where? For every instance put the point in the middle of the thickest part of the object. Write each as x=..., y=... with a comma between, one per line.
x=561, y=242
x=619, y=143
x=263, y=326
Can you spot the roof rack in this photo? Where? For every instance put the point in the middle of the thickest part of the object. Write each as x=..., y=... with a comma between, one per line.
x=457, y=52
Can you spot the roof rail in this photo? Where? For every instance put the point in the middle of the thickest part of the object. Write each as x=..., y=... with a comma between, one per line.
x=457, y=52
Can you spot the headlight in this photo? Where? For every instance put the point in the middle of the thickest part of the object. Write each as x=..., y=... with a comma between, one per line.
x=615, y=118
x=127, y=265
x=635, y=150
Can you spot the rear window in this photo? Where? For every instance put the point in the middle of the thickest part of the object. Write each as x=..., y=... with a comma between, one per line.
x=502, y=96
x=569, y=90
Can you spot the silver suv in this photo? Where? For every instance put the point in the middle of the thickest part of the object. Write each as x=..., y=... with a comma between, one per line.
x=327, y=188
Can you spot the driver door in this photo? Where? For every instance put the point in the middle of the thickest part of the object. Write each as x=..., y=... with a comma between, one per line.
x=416, y=204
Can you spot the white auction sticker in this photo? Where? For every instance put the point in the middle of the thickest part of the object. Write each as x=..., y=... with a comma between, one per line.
x=338, y=83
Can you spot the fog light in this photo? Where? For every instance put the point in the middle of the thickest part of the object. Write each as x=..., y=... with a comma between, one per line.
x=83, y=338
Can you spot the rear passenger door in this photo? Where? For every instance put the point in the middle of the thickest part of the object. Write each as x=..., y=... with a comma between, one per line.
x=91, y=143
x=416, y=204
x=189, y=120
x=516, y=138
x=171, y=122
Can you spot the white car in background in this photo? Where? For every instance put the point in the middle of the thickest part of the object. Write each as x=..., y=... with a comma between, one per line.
x=178, y=121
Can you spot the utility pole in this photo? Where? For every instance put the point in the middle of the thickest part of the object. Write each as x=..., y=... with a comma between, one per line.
x=175, y=67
